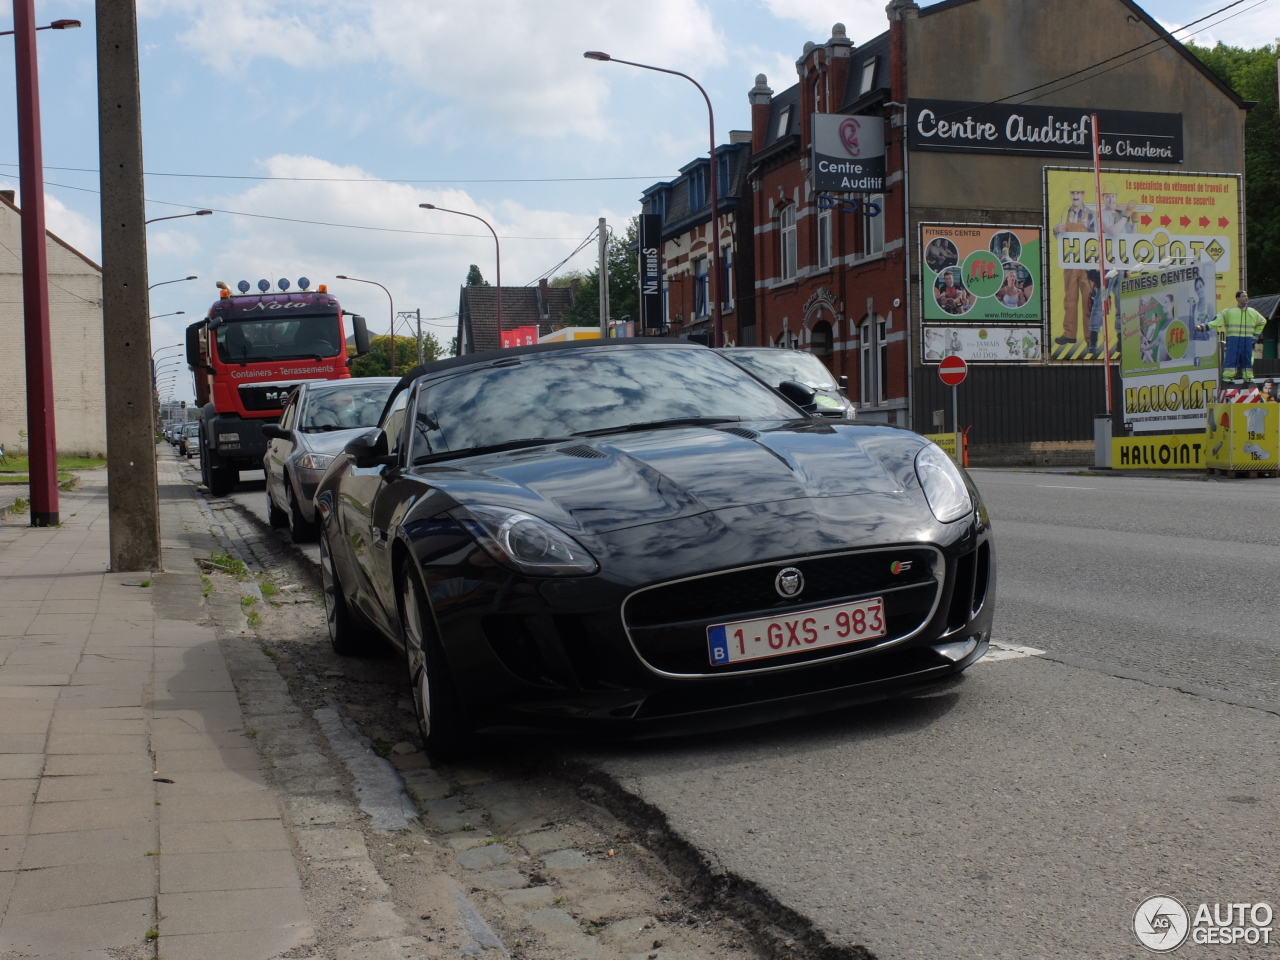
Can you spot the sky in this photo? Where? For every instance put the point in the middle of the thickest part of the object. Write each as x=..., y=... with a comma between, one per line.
x=350, y=113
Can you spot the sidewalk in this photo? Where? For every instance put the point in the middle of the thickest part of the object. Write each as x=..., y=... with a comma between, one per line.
x=121, y=739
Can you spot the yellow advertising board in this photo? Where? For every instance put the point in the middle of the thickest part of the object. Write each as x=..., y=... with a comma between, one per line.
x=1243, y=436
x=1161, y=451
x=947, y=441
x=1147, y=218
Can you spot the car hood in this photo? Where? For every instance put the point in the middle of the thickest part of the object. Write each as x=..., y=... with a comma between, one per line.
x=607, y=484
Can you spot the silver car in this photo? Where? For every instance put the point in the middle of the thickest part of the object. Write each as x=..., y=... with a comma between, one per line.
x=774, y=365
x=318, y=420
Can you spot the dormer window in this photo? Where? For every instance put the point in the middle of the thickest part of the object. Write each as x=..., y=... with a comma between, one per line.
x=868, y=76
x=784, y=121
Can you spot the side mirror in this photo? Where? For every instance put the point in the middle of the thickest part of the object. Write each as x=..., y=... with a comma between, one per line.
x=369, y=449
x=273, y=431
x=193, y=346
x=843, y=383
x=801, y=394
x=360, y=330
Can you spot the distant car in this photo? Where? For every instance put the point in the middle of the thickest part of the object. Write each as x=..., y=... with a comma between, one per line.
x=318, y=420
x=638, y=537
x=188, y=438
x=774, y=365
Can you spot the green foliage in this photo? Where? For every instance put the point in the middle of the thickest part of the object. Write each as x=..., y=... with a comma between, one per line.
x=377, y=362
x=624, y=284
x=1252, y=75
x=475, y=278
x=20, y=505
x=229, y=564
x=19, y=463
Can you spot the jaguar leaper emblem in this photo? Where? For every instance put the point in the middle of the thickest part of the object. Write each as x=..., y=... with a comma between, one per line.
x=789, y=582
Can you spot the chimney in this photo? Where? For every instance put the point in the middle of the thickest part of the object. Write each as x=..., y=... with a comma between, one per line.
x=760, y=96
x=544, y=309
x=573, y=291
x=839, y=53
x=10, y=196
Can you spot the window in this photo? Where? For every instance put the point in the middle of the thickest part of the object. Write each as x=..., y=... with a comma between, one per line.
x=393, y=420
x=658, y=203
x=817, y=97
x=868, y=76
x=697, y=189
x=824, y=238
x=726, y=277
x=784, y=122
x=873, y=229
x=820, y=341
x=868, y=377
x=722, y=184
x=787, y=231
x=700, y=278
x=881, y=378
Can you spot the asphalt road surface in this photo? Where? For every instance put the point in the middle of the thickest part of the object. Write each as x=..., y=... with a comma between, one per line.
x=1030, y=811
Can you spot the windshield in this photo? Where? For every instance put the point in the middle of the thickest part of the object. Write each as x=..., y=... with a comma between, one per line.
x=297, y=338
x=345, y=404
x=774, y=366
x=595, y=390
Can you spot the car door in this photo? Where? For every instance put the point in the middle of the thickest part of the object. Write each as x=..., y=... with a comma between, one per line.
x=390, y=501
x=359, y=491
x=278, y=451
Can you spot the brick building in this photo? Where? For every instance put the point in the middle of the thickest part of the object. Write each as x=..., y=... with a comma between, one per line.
x=75, y=332
x=543, y=306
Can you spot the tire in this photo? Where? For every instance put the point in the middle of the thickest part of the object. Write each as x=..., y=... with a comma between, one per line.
x=346, y=638
x=222, y=480
x=441, y=723
x=276, y=517
x=300, y=528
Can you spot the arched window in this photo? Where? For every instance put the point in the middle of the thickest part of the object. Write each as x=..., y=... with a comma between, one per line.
x=821, y=339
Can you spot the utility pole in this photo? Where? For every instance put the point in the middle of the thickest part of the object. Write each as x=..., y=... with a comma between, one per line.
x=132, y=499
x=418, y=312
x=604, y=280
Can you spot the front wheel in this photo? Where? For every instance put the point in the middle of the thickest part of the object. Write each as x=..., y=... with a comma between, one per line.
x=441, y=724
x=344, y=636
x=300, y=528
x=276, y=517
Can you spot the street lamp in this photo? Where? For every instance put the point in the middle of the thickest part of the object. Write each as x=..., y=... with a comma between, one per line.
x=496, y=247
x=175, y=313
x=717, y=278
x=42, y=440
x=179, y=216
x=393, y=315
x=163, y=282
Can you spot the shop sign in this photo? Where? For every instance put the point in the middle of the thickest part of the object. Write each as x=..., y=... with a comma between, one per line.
x=1162, y=452
x=1029, y=129
x=980, y=273
x=649, y=234
x=848, y=153
x=983, y=344
x=1147, y=218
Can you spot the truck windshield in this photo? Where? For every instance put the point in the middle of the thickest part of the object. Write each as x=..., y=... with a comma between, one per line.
x=264, y=341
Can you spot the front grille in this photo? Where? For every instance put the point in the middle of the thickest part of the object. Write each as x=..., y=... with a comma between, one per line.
x=264, y=396
x=668, y=623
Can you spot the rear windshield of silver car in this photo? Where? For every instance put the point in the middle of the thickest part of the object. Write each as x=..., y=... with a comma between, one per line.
x=550, y=395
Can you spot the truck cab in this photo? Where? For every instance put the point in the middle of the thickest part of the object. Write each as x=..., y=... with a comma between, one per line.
x=247, y=354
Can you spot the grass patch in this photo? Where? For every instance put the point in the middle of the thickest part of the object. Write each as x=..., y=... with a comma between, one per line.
x=268, y=588
x=268, y=652
x=24, y=478
x=229, y=564
x=244, y=601
x=152, y=935
x=18, y=463
x=21, y=505
x=254, y=618
x=208, y=585
x=145, y=583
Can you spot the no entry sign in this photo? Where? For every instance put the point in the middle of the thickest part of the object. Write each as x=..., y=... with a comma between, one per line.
x=952, y=371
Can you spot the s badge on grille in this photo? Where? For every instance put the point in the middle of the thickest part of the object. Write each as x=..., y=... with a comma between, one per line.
x=789, y=582
x=900, y=566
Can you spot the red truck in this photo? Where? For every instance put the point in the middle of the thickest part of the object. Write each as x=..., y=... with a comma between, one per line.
x=247, y=354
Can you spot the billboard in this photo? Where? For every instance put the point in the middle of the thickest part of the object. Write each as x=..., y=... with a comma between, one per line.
x=649, y=251
x=519, y=337
x=979, y=273
x=983, y=344
x=848, y=153
x=1149, y=218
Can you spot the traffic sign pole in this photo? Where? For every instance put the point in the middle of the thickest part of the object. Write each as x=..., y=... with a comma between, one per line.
x=952, y=371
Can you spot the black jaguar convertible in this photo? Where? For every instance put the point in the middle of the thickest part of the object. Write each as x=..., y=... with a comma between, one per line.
x=639, y=538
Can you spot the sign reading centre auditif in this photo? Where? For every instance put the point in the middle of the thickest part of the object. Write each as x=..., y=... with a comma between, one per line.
x=848, y=153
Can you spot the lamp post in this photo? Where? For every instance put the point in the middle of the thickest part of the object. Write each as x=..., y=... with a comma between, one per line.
x=179, y=216
x=717, y=324
x=393, y=315
x=497, y=250
x=163, y=282
x=41, y=439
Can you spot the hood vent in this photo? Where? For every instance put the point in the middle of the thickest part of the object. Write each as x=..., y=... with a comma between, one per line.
x=743, y=432
x=583, y=451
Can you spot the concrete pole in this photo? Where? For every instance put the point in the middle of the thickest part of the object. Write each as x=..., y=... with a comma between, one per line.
x=604, y=279
x=41, y=441
x=132, y=500
x=418, y=312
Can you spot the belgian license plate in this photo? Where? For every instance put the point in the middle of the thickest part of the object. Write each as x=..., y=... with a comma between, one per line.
x=808, y=630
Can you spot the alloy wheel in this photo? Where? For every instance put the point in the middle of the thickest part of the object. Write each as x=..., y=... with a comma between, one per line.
x=415, y=642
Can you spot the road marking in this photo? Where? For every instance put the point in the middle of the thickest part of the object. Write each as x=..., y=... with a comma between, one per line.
x=1009, y=651
x=1059, y=486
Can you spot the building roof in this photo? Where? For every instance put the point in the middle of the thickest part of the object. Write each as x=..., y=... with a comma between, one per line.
x=5, y=199
x=671, y=197
x=521, y=307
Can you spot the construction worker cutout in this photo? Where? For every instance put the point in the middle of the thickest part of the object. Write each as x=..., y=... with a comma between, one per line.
x=1242, y=326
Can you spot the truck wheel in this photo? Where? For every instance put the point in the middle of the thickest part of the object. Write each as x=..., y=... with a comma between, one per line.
x=346, y=638
x=300, y=528
x=222, y=480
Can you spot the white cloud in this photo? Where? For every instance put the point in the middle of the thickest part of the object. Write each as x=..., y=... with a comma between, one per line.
x=175, y=243
x=863, y=19
x=512, y=60
x=422, y=269
x=76, y=229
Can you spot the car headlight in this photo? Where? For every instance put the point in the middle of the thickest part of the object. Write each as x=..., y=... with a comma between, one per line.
x=943, y=486
x=526, y=543
x=315, y=461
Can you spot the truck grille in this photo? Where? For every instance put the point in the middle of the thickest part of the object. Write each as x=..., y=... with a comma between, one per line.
x=668, y=623
x=264, y=396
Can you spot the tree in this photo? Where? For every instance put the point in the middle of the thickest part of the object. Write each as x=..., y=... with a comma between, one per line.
x=624, y=284
x=475, y=278
x=377, y=362
x=1252, y=75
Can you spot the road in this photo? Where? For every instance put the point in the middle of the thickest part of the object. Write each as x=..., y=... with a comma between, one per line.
x=1029, y=811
